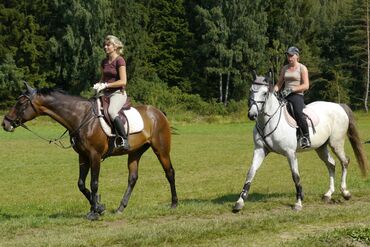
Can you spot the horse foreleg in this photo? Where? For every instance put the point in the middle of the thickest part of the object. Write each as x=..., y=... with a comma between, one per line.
x=84, y=170
x=325, y=156
x=96, y=208
x=258, y=156
x=133, y=165
x=293, y=162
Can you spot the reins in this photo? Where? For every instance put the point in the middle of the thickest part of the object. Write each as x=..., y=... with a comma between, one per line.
x=57, y=141
x=271, y=116
x=260, y=129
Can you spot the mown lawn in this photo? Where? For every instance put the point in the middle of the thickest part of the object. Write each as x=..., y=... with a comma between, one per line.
x=40, y=204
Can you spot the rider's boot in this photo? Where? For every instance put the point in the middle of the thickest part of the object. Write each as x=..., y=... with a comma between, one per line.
x=305, y=139
x=305, y=142
x=121, y=140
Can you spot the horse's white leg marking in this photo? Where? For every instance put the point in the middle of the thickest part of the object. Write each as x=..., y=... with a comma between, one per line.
x=293, y=162
x=325, y=156
x=258, y=156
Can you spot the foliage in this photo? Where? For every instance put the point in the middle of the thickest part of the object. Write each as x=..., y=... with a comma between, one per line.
x=202, y=48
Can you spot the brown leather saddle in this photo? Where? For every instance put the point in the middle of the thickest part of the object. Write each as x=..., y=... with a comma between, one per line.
x=105, y=100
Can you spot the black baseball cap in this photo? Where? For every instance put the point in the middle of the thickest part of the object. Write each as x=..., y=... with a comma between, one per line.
x=292, y=51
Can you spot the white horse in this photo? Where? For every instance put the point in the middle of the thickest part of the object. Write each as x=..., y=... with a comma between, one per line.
x=273, y=133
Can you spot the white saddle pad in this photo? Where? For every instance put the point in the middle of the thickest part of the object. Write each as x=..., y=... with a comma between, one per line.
x=134, y=122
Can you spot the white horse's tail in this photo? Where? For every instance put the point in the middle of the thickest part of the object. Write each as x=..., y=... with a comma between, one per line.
x=356, y=143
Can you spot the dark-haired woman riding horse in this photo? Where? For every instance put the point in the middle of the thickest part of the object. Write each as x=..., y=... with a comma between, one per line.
x=80, y=117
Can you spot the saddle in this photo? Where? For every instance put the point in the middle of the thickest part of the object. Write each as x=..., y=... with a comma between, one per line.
x=105, y=100
x=311, y=117
x=130, y=117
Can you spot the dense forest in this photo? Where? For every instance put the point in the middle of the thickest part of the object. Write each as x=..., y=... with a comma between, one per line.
x=185, y=51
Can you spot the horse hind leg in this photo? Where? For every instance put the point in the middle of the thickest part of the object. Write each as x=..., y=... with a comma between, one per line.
x=133, y=165
x=165, y=160
x=338, y=149
x=325, y=156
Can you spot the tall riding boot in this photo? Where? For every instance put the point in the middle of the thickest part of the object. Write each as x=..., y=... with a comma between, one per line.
x=121, y=137
x=305, y=139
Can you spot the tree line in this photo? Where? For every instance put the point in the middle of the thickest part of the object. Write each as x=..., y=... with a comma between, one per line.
x=205, y=49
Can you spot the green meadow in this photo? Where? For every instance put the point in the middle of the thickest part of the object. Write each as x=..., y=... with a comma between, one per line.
x=40, y=204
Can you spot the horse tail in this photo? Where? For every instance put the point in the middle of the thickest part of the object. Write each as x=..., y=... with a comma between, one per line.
x=356, y=143
x=174, y=131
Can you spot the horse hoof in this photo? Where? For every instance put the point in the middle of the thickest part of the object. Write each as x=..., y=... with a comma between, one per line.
x=346, y=195
x=174, y=205
x=326, y=199
x=120, y=210
x=100, y=209
x=92, y=216
x=235, y=210
x=237, y=207
x=297, y=207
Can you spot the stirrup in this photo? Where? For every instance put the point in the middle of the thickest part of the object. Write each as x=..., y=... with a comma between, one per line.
x=120, y=142
x=305, y=142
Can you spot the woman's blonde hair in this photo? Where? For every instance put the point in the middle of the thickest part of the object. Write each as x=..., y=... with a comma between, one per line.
x=114, y=40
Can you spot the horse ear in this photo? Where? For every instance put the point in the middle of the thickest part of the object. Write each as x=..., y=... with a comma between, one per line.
x=254, y=75
x=30, y=89
x=271, y=77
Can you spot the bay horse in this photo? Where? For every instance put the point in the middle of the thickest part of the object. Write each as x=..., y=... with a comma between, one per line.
x=79, y=116
x=273, y=133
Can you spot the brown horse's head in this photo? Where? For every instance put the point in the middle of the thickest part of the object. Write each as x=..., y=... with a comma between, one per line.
x=23, y=111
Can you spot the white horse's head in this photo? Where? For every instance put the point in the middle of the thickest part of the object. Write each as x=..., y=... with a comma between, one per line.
x=259, y=93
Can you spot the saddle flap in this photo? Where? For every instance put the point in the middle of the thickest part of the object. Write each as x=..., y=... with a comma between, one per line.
x=309, y=112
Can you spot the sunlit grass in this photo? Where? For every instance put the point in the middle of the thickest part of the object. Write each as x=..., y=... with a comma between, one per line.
x=40, y=204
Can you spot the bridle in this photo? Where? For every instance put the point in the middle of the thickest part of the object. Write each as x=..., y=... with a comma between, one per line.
x=261, y=127
x=20, y=112
x=252, y=101
x=57, y=141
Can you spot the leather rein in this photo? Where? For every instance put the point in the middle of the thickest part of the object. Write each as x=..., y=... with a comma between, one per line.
x=57, y=141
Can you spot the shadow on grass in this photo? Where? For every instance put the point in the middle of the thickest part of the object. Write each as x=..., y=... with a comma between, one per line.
x=253, y=197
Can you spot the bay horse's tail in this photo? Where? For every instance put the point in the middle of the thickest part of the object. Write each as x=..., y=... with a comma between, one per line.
x=356, y=143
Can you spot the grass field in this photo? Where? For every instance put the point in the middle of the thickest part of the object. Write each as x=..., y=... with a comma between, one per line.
x=40, y=204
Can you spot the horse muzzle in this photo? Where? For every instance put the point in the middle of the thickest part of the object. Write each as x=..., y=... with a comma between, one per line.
x=253, y=112
x=7, y=125
x=252, y=116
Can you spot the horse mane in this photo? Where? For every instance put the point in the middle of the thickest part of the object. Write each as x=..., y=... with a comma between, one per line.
x=52, y=91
